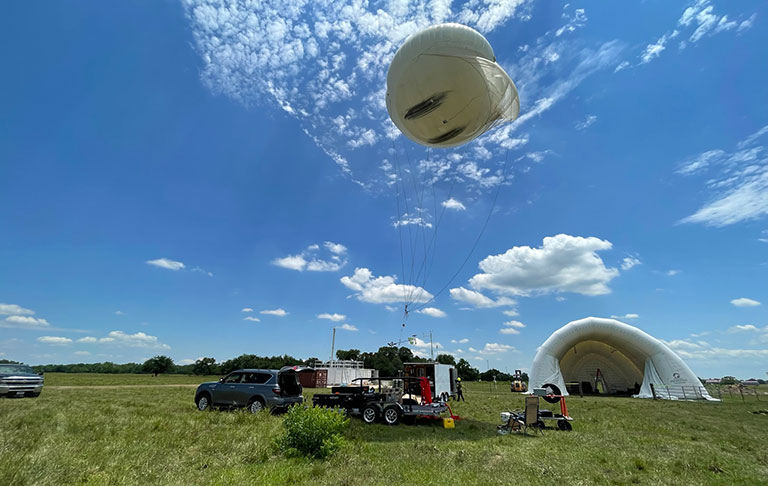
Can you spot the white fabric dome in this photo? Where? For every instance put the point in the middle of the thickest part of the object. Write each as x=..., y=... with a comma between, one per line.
x=624, y=354
x=444, y=87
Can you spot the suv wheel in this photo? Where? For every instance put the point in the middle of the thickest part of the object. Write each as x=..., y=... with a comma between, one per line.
x=203, y=402
x=370, y=414
x=391, y=415
x=256, y=406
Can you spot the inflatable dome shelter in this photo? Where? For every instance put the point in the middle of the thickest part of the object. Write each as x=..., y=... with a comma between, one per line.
x=610, y=357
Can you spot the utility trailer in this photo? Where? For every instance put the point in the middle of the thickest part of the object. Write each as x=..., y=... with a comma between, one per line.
x=442, y=377
x=389, y=399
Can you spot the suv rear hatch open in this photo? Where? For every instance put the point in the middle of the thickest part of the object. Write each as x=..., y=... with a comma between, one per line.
x=288, y=379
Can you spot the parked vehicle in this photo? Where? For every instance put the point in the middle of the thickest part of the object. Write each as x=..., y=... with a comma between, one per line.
x=390, y=400
x=442, y=378
x=518, y=385
x=255, y=389
x=19, y=380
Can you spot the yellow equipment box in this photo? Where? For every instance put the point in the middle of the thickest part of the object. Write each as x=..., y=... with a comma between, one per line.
x=448, y=423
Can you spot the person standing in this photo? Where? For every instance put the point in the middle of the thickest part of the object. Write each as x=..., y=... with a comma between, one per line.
x=459, y=392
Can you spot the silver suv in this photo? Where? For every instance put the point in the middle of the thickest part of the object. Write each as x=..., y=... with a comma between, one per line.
x=254, y=389
x=19, y=380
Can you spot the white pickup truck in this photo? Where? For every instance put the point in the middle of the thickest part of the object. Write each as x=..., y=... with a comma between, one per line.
x=19, y=380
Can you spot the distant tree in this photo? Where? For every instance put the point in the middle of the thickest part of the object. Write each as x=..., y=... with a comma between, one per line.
x=466, y=371
x=157, y=365
x=405, y=354
x=8, y=361
x=728, y=380
x=524, y=377
x=205, y=366
x=349, y=354
x=446, y=359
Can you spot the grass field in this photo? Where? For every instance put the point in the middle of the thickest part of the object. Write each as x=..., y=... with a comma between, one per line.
x=82, y=434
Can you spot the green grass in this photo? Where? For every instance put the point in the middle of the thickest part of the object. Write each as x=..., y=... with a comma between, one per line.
x=109, y=379
x=153, y=435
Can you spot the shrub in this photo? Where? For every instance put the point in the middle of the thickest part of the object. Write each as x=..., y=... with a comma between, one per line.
x=312, y=431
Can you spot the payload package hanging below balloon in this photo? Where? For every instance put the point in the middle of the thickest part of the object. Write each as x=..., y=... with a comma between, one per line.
x=444, y=87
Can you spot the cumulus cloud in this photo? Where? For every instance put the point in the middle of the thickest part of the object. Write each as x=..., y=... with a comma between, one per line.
x=453, y=204
x=563, y=263
x=701, y=350
x=629, y=262
x=166, y=263
x=26, y=321
x=417, y=343
x=332, y=317
x=246, y=309
x=120, y=338
x=432, y=312
x=347, y=327
x=479, y=300
x=460, y=341
x=14, y=310
x=252, y=319
x=512, y=327
x=672, y=273
x=383, y=290
x=55, y=340
x=274, y=312
x=493, y=348
x=745, y=327
x=313, y=259
x=745, y=302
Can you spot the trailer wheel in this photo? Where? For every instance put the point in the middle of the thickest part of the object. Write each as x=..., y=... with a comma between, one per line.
x=370, y=414
x=564, y=425
x=391, y=415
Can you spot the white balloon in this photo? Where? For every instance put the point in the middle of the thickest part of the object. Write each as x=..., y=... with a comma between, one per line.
x=444, y=87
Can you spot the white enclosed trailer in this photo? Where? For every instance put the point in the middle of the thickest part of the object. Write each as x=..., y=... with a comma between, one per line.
x=442, y=377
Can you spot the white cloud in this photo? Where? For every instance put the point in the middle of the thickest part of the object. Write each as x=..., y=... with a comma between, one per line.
x=56, y=340
x=432, y=312
x=246, y=309
x=479, y=300
x=203, y=271
x=26, y=321
x=120, y=338
x=347, y=327
x=629, y=262
x=511, y=313
x=517, y=324
x=745, y=302
x=626, y=316
x=453, y=204
x=13, y=309
x=82, y=353
x=745, y=327
x=563, y=263
x=704, y=351
x=415, y=342
x=119, y=313
x=312, y=260
x=460, y=341
x=167, y=264
x=186, y=361
x=383, y=290
x=652, y=51
x=252, y=319
x=623, y=65
x=509, y=330
x=409, y=219
x=493, y=348
x=332, y=317
x=583, y=125
x=274, y=312
x=672, y=273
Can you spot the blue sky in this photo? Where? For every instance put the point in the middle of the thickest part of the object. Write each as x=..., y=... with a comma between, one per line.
x=167, y=166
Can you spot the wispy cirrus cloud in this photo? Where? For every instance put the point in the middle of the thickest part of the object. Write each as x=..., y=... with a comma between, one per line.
x=737, y=181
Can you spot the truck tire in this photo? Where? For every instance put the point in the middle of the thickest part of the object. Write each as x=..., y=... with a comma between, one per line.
x=203, y=402
x=370, y=414
x=391, y=415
